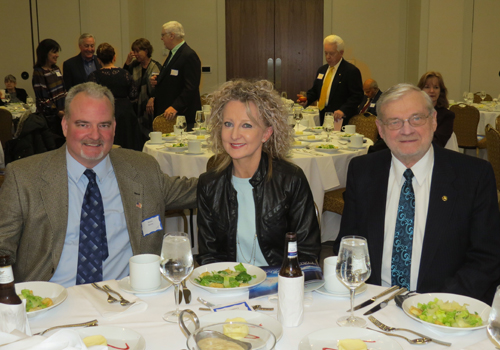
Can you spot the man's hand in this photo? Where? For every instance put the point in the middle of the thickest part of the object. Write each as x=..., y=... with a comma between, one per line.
x=152, y=80
x=170, y=113
x=301, y=100
x=130, y=58
x=150, y=107
x=338, y=114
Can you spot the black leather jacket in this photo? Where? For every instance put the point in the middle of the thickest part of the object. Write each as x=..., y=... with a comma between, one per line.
x=283, y=203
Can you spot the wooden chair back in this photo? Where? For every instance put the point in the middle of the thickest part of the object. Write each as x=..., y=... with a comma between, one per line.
x=477, y=98
x=365, y=126
x=497, y=123
x=160, y=123
x=5, y=126
x=465, y=125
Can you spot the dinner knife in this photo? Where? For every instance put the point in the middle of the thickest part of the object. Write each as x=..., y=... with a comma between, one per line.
x=186, y=292
x=370, y=301
x=384, y=303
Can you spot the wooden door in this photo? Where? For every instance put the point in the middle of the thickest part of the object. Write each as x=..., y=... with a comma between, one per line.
x=287, y=33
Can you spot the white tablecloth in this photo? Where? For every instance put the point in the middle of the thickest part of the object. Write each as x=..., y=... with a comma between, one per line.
x=322, y=313
x=486, y=117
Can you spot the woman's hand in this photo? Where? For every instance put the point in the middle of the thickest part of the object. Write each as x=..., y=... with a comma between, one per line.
x=130, y=58
x=150, y=107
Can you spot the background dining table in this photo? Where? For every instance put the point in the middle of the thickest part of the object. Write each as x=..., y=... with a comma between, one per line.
x=321, y=312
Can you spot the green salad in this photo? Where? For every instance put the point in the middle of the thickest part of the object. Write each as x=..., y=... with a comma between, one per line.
x=34, y=302
x=226, y=278
x=450, y=314
x=179, y=144
x=327, y=146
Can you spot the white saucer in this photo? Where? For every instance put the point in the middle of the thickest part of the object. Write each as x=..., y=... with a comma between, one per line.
x=360, y=290
x=193, y=153
x=124, y=284
x=353, y=147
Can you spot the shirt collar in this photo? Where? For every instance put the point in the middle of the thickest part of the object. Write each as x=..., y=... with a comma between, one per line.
x=174, y=50
x=76, y=170
x=337, y=65
x=421, y=170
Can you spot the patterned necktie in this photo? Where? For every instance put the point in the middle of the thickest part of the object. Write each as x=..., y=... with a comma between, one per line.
x=403, y=235
x=93, y=246
x=327, y=81
x=366, y=106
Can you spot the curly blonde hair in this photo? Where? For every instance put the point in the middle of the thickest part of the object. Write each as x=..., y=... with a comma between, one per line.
x=272, y=113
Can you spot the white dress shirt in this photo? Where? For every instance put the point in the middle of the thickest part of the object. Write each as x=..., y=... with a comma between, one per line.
x=422, y=178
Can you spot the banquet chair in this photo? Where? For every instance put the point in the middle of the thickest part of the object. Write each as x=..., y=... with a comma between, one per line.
x=365, y=125
x=477, y=98
x=493, y=146
x=497, y=123
x=334, y=201
x=160, y=123
x=465, y=125
x=5, y=126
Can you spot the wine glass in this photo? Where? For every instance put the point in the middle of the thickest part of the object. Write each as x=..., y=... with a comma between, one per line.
x=284, y=95
x=482, y=94
x=181, y=124
x=176, y=263
x=465, y=95
x=328, y=127
x=353, y=268
x=494, y=320
x=297, y=115
x=30, y=102
x=291, y=121
x=7, y=97
x=470, y=97
x=200, y=119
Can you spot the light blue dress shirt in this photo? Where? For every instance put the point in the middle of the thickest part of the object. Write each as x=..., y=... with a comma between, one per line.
x=120, y=250
x=247, y=245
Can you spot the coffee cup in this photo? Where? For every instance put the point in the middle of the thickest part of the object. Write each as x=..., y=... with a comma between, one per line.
x=144, y=272
x=350, y=129
x=332, y=283
x=357, y=140
x=155, y=136
x=194, y=146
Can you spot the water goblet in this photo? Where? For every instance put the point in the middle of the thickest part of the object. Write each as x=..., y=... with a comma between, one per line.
x=200, y=119
x=353, y=268
x=284, y=95
x=181, y=124
x=297, y=115
x=328, y=127
x=494, y=320
x=482, y=94
x=7, y=97
x=176, y=263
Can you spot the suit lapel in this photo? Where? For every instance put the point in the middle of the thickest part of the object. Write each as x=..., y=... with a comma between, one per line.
x=337, y=79
x=167, y=69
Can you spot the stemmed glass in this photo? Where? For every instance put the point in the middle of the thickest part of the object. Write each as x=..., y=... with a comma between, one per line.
x=297, y=115
x=353, y=268
x=328, y=125
x=181, y=124
x=482, y=94
x=176, y=263
x=200, y=119
x=284, y=95
x=470, y=97
x=7, y=97
x=30, y=102
x=494, y=320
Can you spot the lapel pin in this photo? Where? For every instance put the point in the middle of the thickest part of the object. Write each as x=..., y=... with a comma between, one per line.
x=444, y=198
x=138, y=205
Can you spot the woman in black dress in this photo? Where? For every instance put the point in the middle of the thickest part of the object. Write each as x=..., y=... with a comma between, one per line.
x=121, y=84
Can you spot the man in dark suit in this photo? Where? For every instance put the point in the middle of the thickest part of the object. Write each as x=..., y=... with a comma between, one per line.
x=437, y=208
x=370, y=98
x=77, y=69
x=338, y=87
x=177, y=88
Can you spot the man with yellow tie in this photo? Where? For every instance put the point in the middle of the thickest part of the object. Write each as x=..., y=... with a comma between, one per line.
x=338, y=87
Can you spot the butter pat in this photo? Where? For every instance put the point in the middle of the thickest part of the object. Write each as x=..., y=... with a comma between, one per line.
x=312, y=137
x=351, y=344
x=236, y=331
x=297, y=143
x=299, y=132
x=94, y=340
x=200, y=137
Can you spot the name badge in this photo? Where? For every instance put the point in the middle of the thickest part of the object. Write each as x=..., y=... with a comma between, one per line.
x=151, y=225
x=58, y=73
x=320, y=76
x=174, y=72
x=372, y=105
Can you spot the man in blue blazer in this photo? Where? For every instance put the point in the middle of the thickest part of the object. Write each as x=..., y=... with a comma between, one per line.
x=177, y=88
x=372, y=94
x=455, y=227
x=338, y=87
x=77, y=69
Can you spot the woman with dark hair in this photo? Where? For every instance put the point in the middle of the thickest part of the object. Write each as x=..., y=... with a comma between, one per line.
x=49, y=88
x=433, y=84
x=122, y=86
x=140, y=64
x=254, y=196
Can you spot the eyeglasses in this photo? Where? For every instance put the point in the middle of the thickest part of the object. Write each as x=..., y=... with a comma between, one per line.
x=414, y=120
x=163, y=34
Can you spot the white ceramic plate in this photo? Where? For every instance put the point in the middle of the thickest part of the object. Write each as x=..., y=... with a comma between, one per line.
x=328, y=338
x=360, y=290
x=193, y=153
x=474, y=305
x=45, y=290
x=315, y=139
x=317, y=129
x=116, y=336
x=354, y=147
x=170, y=138
x=304, y=133
x=252, y=270
x=199, y=131
x=252, y=317
x=175, y=149
x=124, y=284
x=195, y=137
x=326, y=150
x=155, y=143
x=303, y=144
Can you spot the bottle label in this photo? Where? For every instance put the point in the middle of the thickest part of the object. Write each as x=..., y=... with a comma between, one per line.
x=292, y=249
x=6, y=275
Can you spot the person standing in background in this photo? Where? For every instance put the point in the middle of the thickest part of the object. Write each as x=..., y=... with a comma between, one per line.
x=77, y=69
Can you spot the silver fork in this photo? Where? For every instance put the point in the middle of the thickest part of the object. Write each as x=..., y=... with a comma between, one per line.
x=123, y=301
x=389, y=329
x=111, y=299
x=418, y=341
x=84, y=324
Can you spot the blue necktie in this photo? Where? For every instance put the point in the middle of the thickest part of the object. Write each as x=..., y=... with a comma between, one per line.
x=93, y=246
x=403, y=235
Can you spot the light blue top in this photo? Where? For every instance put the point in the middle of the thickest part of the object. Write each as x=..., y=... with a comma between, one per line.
x=116, y=265
x=245, y=234
x=174, y=50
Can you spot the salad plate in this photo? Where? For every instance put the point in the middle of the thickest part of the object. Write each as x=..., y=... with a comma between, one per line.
x=322, y=148
x=251, y=270
x=473, y=306
x=117, y=337
x=170, y=147
x=302, y=144
x=310, y=139
x=45, y=290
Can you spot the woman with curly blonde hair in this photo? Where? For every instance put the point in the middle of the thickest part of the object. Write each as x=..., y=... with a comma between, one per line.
x=253, y=197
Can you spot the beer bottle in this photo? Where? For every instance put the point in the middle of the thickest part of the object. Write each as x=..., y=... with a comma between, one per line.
x=7, y=290
x=290, y=285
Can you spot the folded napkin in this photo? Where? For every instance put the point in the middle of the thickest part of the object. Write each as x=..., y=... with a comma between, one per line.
x=98, y=299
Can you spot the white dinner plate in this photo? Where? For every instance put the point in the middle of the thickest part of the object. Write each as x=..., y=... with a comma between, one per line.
x=117, y=337
x=360, y=290
x=328, y=338
x=252, y=317
x=169, y=147
x=199, y=131
x=193, y=153
x=155, y=143
x=195, y=137
x=303, y=133
x=303, y=144
x=124, y=284
x=315, y=139
x=317, y=129
x=252, y=270
x=474, y=305
x=170, y=138
x=325, y=150
x=45, y=290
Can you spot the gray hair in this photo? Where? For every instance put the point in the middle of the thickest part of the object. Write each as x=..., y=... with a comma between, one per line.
x=175, y=28
x=335, y=39
x=92, y=90
x=10, y=77
x=85, y=36
x=398, y=91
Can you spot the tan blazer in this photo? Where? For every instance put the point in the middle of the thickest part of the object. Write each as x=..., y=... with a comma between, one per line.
x=34, y=207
